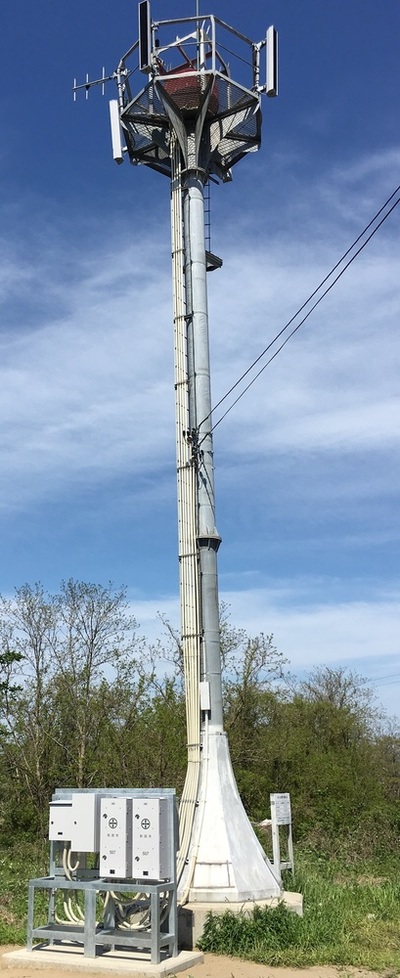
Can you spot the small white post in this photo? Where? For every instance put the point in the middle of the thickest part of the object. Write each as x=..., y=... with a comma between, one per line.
x=276, y=848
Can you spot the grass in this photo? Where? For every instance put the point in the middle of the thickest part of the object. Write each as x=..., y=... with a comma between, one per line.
x=18, y=865
x=350, y=918
x=351, y=914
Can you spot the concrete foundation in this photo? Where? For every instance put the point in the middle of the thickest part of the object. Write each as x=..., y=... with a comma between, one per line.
x=115, y=963
x=192, y=917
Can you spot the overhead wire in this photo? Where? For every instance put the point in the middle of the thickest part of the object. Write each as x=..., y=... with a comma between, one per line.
x=385, y=680
x=303, y=306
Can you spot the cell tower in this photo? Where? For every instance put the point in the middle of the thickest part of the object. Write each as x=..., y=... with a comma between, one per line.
x=192, y=121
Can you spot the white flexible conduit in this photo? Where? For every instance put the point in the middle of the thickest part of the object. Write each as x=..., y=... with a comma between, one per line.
x=133, y=913
x=187, y=518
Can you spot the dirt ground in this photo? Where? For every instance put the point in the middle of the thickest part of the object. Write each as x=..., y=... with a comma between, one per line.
x=214, y=966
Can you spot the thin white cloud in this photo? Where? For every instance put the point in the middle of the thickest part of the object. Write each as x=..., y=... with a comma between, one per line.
x=312, y=632
x=308, y=629
x=79, y=394
x=381, y=165
x=358, y=634
x=86, y=390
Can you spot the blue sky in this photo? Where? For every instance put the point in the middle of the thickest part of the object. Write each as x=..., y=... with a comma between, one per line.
x=307, y=464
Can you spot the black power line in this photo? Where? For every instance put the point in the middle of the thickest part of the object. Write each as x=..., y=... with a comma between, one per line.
x=303, y=306
x=380, y=681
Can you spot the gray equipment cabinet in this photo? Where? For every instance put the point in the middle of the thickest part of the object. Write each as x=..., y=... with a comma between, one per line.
x=157, y=898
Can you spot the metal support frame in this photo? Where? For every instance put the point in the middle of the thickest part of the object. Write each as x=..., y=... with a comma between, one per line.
x=105, y=934
x=277, y=862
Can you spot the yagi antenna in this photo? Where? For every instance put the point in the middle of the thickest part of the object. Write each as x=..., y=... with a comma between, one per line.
x=117, y=148
x=87, y=85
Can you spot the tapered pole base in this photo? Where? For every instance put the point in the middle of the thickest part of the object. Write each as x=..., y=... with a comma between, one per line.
x=226, y=862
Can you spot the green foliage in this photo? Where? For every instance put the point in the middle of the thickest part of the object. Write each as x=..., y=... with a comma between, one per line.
x=323, y=742
x=348, y=921
x=18, y=864
x=251, y=935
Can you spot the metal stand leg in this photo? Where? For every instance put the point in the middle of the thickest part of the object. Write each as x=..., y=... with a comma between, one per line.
x=173, y=925
x=52, y=905
x=109, y=917
x=31, y=902
x=155, y=928
x=89, y=947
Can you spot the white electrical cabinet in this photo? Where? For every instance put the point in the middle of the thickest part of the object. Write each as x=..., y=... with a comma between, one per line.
x=85, y=835
x=60, y=821
x=116, y=837
x=134, y=834
x=151, y=856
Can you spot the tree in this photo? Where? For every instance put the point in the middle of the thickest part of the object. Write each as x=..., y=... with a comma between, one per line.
x=344, y=689
x=252, y=674
x=328, y=755
x=28, y=627
x=96, y=637
x=69, y=651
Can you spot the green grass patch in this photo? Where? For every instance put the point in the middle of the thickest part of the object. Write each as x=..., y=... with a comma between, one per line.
x=351, y=920
x=18, y=865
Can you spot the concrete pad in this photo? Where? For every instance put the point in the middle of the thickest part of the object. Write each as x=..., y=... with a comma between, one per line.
x=115, y=963
x=192, y=917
